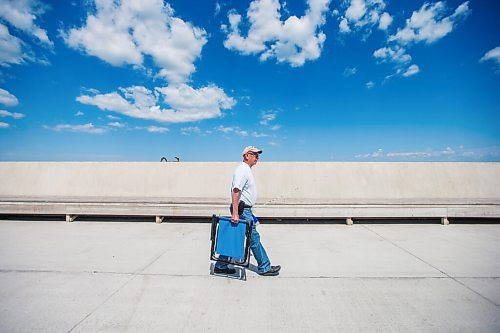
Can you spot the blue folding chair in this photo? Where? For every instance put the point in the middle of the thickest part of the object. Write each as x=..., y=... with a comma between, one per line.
x=232, y=240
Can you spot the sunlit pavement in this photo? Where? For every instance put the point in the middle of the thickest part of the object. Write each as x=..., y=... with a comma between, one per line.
x=147, y=277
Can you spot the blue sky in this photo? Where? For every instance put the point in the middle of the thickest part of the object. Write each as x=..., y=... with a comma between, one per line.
x=318, y=80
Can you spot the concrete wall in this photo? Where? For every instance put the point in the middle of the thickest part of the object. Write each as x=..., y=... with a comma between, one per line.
x=295, y=189
x=134, y=180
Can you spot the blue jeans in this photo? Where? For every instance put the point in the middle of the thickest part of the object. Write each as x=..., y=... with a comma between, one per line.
x=263, y=262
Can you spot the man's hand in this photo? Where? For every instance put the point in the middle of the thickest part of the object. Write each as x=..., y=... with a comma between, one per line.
x=235, y=218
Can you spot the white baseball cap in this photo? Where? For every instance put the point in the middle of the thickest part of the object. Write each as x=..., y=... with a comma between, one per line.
x=252, y=149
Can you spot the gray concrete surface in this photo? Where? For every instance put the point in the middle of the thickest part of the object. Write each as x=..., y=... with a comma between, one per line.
x=291, y=189
x=278, y=182
x=147, y=277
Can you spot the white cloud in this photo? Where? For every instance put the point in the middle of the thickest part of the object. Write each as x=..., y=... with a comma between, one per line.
x=116, y=124
x=267, y=117
x=79, y=114
x=203, y=103
x=3, y=125
x=218, y=8
x=21, y=14
x=10, y=48
x=385, y=21
x=494, y=55
x=230, y=130
x=397, y=55
x=134, y=29
x=6, y=98
x=295, y=40
x=245, y=99
x=344, y=26
x=364, y=14
x=226, y=130
x=356, y=10
x=84, y=128
x=429, y=24
x=14, y=115
x=350, y=71
x=428, y=153
x=186, y=104
x=17, y=19
x=377, y=153
x=190, y=130
x=156, y=129
x=449, y=153
x=393, y=53
x=152, y=129
x=259, y=135
x=112, y=117
x=484, y=153
x=412, y=70
x=370, y=84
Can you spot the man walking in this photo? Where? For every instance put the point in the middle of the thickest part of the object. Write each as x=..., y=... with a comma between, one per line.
x=244, y=194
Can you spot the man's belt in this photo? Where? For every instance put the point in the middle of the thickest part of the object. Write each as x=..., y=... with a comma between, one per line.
x=242, y=205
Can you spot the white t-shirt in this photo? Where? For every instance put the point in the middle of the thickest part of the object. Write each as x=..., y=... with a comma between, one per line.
x=244, y=181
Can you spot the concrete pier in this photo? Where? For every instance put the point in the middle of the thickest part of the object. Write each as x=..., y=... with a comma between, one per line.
x=148, y=277
x=116, y=276
x=346, y=191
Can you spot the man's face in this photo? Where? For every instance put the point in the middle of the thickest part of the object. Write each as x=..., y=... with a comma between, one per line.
x=252, y=158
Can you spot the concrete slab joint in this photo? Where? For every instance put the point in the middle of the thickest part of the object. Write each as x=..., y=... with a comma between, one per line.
x=71, y=218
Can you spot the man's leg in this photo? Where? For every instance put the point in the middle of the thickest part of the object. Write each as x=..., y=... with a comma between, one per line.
x=263, y=262
x=220, y=264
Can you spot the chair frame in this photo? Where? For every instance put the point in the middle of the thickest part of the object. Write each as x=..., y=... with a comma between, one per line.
x=245, y=262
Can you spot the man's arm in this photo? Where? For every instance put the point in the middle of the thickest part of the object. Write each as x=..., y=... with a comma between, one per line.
x=236, y=199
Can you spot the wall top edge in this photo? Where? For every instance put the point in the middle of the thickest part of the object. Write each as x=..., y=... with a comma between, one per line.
x=236, y=162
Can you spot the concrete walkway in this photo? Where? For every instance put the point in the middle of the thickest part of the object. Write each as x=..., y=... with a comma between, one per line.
x=145, y=277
